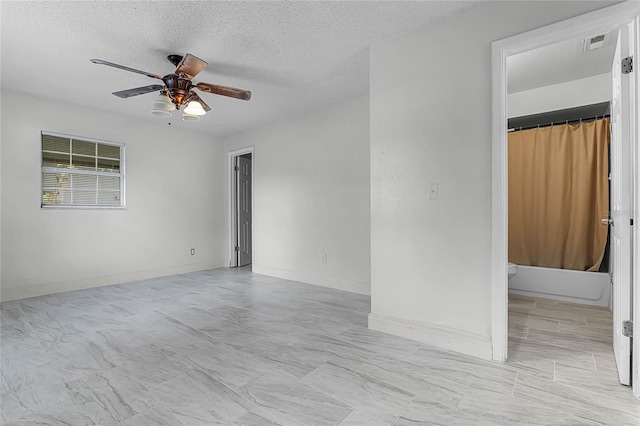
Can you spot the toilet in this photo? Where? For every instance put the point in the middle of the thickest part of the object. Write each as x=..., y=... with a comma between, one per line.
x=513, y=270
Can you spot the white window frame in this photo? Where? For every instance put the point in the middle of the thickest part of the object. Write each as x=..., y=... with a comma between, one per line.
x=121, y=174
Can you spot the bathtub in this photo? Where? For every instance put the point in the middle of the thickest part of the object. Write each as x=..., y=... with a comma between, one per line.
x=588, y=288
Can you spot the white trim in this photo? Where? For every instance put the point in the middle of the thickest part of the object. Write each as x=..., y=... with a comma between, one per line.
x=499, y=295
x=232, y=208
x=24, y=292
x=441, y=337
x=634, y=83
x=581, y=26
x=80, y=207
x=330, y=282
x=81, y=138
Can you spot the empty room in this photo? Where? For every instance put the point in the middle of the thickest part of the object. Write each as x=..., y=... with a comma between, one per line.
x=306, y=213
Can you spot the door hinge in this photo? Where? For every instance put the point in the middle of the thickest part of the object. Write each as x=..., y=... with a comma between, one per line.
x=237, y=248
x=627, y=328
x=631, y=220
x=236, y=168
x=627, y=65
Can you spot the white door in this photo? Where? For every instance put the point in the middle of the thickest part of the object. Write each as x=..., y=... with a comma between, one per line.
x=621, y=206
x=243, y=171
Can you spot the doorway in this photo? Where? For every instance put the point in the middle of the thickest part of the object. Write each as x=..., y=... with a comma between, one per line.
x=623, y=16
x=558, y=108
x=241, y=207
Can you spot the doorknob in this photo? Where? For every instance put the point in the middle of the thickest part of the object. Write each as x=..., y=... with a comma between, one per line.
x=606, y=221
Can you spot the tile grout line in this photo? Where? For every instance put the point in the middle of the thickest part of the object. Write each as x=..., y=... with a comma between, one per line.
x=460, y=402
x=404, y=410
x=364, y=375
x=346, y=417
x=515, y=382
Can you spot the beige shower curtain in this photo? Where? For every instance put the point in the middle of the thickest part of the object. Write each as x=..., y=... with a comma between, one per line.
x=558, y=194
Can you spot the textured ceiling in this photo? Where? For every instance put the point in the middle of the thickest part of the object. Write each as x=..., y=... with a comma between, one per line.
x=293, y=56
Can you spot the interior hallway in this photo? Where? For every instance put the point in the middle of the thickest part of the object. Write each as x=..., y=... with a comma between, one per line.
x=231, y=347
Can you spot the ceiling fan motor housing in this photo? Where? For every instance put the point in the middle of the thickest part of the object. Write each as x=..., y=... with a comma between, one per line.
x=179, y=88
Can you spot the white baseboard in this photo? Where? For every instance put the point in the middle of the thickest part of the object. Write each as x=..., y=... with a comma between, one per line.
x=441, y=337
x=16, y=293
x=337, y=283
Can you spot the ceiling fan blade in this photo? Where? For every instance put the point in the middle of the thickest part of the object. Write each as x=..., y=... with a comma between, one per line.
x=190, y=66
x=195, y=97
x=122, y=67
x=231, y=92
x=124, y=94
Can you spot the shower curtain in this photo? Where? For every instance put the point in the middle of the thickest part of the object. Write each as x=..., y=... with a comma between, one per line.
x=558, y=194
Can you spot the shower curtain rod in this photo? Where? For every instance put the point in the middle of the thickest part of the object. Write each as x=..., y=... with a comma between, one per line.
x=577, y=120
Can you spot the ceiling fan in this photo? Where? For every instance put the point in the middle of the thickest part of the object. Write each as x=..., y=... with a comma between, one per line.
x=178, y=89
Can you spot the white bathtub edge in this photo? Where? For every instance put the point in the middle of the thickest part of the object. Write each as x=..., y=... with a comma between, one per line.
x=588, y=288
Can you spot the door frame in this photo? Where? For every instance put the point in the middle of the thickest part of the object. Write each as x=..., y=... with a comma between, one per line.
x=606, y=19
x=232, y=210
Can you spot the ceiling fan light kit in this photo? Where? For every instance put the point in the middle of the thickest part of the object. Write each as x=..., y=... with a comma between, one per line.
x=189, y=117
x=178, y=88
x=162, y=106
x=194, y=108
x=160, y=113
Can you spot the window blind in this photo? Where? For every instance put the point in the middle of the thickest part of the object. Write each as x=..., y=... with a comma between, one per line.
x=81, y=172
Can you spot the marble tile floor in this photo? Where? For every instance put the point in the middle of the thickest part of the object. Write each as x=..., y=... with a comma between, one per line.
x=229, y=347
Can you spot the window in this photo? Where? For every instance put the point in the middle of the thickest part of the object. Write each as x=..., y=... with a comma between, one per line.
x=81, y=172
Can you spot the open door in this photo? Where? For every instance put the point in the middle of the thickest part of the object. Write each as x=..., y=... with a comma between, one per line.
x=626, y=290
x=243, y=209
x=622, y=172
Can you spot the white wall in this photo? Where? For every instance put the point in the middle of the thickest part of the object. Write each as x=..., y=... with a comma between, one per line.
x=584, y=91
x=174, y=191
x=311, y=196
x=431, y=123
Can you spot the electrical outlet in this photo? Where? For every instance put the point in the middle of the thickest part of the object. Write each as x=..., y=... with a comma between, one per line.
x=324, y=258
x=193, y=251
x=433, y=191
